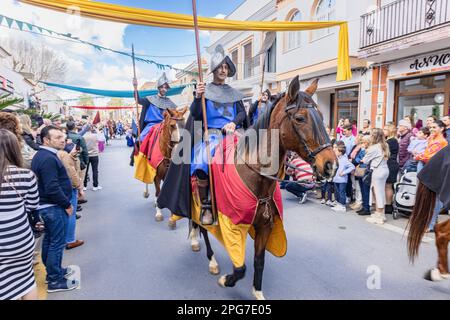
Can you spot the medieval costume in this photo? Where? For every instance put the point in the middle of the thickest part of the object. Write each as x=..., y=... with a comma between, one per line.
x=258, y=108
x=153, y=108
x=223, y=105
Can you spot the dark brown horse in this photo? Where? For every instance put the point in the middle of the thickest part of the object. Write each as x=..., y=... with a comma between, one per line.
x=169, y=136
x=301, y=129
x=418, y=224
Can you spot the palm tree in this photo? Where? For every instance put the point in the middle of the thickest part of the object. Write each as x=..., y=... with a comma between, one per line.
x=6, y=102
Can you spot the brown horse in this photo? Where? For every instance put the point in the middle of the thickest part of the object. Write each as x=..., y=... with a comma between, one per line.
x=169, y=136
x=301, y=129
x=418, y=224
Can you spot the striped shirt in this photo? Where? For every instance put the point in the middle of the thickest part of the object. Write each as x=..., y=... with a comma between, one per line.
x=18, y=196
x=300, y=175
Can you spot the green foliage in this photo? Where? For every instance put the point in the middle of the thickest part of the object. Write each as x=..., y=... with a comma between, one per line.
x=6, y=102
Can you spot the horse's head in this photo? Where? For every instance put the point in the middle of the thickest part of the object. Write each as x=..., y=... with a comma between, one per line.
x=303, y=130
x=174, y=119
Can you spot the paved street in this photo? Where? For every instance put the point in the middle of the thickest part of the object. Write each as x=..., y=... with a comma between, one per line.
x=127, y=255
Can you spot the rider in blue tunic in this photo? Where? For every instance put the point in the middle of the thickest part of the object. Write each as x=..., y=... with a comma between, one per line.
x=225, y=113
x=259, y=107
x=153, y=107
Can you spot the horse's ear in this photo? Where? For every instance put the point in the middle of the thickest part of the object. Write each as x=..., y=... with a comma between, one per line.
x=294, y=88
x=184, y=110
x=170, y=112
x=312, y=87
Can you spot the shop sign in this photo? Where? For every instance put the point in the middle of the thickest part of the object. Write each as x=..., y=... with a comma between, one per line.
x=431, y=61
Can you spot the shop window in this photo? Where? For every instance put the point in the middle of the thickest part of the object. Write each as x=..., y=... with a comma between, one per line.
x=422, y=97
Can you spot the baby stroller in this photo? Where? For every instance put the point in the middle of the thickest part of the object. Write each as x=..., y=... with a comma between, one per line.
x=405, y=195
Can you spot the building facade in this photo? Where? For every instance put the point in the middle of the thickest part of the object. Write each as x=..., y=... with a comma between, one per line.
x=399, y=56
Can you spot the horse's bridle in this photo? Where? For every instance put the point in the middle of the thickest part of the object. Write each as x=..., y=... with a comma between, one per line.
x=311, y=154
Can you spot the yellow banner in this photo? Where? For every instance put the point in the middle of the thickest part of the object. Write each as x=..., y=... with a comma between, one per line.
x=129, y=15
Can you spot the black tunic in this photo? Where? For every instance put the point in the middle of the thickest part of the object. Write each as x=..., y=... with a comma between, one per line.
x=392, y=162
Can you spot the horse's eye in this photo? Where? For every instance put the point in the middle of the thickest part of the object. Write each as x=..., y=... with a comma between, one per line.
x=300, y=119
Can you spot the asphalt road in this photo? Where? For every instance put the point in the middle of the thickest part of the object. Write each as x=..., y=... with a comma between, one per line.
x=127, y=255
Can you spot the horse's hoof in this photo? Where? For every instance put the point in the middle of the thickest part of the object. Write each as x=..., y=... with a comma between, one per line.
x=172, y=224
x=195, y=246
x=222, y=280
x=213, y=266
x=258, y=294
x=159, y=217
x=146, y=195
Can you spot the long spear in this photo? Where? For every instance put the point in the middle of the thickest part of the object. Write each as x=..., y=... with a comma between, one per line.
x=205, y=121
x=136, y=99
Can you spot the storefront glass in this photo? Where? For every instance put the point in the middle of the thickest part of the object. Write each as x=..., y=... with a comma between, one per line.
x=422, y=97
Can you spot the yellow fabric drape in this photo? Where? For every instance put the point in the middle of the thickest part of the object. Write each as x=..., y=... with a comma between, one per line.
x=124, y=14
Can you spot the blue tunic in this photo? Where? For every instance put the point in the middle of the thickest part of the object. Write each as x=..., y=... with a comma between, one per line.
x=153, y=116
x=218, y=115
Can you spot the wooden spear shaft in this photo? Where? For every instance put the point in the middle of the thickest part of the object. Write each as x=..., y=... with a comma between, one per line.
x=136, y=99
x=205, y=120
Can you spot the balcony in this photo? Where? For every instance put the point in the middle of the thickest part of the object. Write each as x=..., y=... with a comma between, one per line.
x=402, y=18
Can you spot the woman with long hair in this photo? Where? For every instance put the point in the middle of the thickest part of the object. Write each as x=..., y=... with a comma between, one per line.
x=390, y=132
x=18, y=196
x=27, y=131
x=376, y=158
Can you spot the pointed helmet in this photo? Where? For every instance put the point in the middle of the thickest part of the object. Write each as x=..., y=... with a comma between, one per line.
x=219, y=58
x=162, y=80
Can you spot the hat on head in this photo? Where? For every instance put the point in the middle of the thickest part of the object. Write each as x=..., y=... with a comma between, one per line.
x=219, y=58
x=162, y=80
x=405, y=123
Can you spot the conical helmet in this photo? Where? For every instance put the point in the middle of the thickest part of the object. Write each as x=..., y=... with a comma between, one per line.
x=162, y=80
x=218, y=58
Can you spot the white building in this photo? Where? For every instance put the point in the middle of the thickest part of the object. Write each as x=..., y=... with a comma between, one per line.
x=13, y=83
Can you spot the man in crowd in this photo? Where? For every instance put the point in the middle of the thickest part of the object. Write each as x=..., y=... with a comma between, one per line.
x=92, y=147
x=348, y=139
x=84, y=156
x=301, y=172
x=446, y=121
x=365, y=128
x=405, y=134
x=55, y=191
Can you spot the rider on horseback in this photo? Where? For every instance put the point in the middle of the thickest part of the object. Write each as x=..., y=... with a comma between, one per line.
x=225, y=112
x=153, y=107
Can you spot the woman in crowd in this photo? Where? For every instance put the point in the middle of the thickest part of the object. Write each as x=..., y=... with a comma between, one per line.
x=18, y=196
x=376, y=158
x=390, y=132
x=27, y=132
x=10, y=122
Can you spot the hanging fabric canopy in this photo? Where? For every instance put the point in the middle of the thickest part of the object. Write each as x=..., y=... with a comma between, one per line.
x=124, y=14
x=116, y=94
x=102, y=108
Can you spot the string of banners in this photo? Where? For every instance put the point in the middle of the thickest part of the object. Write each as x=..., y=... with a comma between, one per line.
x=10, y=22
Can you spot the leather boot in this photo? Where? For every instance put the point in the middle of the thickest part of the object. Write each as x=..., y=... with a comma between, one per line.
x=206, y=217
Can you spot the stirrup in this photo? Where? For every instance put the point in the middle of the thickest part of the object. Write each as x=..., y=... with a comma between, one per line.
x=206, y=210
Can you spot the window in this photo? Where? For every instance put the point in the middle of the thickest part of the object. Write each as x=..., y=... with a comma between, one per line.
x=294, y=38
x=421, y=97
x=325, y=11
x=271, y=58
x=248, y=61
x=234, y=58
x=345, y=105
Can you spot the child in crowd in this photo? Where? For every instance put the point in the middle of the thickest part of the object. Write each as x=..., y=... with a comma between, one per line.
x=417, y=145
x=341, y=178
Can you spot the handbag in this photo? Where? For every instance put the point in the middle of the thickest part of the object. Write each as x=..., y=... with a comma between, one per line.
x=360, y=171
x=367, y=178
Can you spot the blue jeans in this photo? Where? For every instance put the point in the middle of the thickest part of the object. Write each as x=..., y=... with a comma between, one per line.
x=55, y=220
x=438, y=207
x=72, y=220
x=327, y=191
x=297, y=189
x=340, y=193
x=365, y=192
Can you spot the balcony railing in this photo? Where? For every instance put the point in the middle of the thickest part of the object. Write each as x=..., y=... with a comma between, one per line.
x=402, y=18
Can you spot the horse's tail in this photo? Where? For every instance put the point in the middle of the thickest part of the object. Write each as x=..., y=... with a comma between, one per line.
x=420, y=219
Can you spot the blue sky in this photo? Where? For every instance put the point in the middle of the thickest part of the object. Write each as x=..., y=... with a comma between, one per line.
x=88, y=67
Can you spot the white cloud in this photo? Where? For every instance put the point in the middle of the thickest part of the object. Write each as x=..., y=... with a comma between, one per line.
x=220, y=16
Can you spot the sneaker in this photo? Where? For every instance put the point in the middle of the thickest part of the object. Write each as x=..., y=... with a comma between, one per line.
x=63, y=286
x=303, y=198
x=330, y=203
x=84, y=189
x=323, y=201
x=97, y=188
x=67, y=273
x=339, y=208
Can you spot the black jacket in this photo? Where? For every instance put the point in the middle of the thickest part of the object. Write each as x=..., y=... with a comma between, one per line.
x=29, y=139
